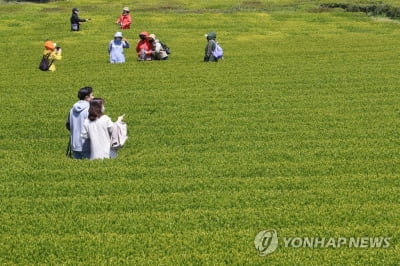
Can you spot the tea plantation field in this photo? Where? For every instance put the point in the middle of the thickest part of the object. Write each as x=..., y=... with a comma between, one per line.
x=296, y=131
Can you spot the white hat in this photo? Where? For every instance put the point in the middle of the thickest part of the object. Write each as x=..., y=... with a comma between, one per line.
x=152, y=36
x=126, y=9
x=118, y=34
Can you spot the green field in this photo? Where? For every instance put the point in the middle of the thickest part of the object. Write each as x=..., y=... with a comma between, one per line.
x=296, y=131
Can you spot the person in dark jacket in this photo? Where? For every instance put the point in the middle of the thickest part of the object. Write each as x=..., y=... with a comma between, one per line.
x=75, y=20
x=211, y=43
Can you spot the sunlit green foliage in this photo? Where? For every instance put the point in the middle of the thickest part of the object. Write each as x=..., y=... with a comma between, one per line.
x=295, y=130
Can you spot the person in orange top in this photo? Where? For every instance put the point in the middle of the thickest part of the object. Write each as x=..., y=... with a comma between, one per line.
x=54, y=53
x=144, y=47
x=125, y=19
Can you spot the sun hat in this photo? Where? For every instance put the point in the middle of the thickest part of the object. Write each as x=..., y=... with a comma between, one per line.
x=118, y=34
x=49, y=45
x=152, y=36
x=126, y=9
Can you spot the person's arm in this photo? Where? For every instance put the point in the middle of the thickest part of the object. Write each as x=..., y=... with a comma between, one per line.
x=150, y=48
x=119, y=19
x=110, y=47
x=85, y=130
x=128, y=20
x=138, y=47
x=75, y=19
x=56, y=55
x=125, y=44
x=83, y=19
x=110, y=123
x=158, y=47
x=120, y=118
x=209, y=49
x=68, y=124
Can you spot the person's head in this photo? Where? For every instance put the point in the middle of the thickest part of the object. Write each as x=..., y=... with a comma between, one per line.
x=211, y=35
x=75, y=10
x=85, y=93
x=96, y=109
x=118, y=35
x=125, y=10
x=152, y=37
x=49, y=45
x=143, y=35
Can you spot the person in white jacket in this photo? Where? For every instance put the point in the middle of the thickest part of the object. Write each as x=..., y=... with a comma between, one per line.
x=116, y=48
x=158, y=52
x=98, y=128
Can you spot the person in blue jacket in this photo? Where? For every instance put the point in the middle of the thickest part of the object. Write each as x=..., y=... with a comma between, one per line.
x=80, y=147
x=116, y=48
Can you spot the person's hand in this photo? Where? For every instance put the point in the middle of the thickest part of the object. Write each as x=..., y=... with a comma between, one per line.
x=120, y=118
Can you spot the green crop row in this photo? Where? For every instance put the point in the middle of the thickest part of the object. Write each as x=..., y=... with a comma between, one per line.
x=295, y=130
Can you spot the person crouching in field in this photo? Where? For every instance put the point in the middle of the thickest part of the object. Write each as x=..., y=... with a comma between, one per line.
x=210, y=47
x=143, y=47
x=79, y=112
x=125, y=19
x=52, y=53
x=98, y=128
x=116, y=48
x=157, y=50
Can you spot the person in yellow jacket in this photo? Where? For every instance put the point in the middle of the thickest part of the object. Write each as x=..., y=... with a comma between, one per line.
x=54, y=53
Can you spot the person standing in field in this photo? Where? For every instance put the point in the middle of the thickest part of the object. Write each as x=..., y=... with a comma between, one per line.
x=210, y=47
x=158, y=51
x=98, y=128
x=125, y=19
x=143, y=47
x=52, y=52
x=79, y=112
x=76, y=20
x=116, y=48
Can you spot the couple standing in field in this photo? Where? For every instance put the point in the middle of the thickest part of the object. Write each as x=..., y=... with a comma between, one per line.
x=90, y=129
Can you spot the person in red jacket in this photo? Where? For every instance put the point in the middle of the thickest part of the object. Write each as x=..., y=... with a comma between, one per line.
x=125, y=19
x=144, y=47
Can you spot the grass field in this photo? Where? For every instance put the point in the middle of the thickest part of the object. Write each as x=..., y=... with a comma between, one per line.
x=296, y=131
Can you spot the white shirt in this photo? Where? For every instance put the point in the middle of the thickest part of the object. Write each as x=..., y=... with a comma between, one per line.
x=99, y=132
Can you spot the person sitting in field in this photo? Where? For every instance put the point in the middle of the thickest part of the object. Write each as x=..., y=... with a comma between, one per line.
x=158, y=52
x=52, y=52
x=124, y=19
x=98, y=128
x=116, y=48
x=143, y=47
x=75, y=20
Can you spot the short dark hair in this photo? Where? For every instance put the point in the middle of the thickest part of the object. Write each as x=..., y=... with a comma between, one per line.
x=95, y=109
x=83, y=92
